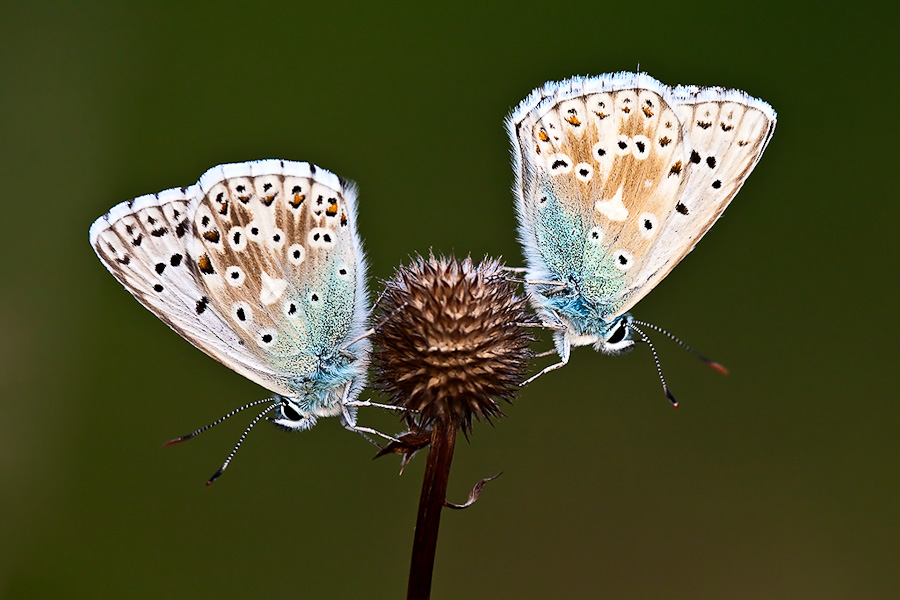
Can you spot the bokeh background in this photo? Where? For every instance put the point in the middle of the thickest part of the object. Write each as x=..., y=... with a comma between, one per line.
x=779, y=481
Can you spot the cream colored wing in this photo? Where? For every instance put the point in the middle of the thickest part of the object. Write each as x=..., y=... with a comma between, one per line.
x=142, y=242
x=258, y=265
x=278, y=256
x=725, y=133
x=610, y=192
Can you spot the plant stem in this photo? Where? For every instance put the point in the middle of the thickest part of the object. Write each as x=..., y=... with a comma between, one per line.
x=434, y=493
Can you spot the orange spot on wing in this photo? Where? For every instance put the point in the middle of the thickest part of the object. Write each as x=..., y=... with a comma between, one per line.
x=205, y=265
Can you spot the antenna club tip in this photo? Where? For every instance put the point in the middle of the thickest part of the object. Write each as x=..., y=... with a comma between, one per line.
x=718, y=367
x=671, y=398
x=214, y=477
x=175, y=441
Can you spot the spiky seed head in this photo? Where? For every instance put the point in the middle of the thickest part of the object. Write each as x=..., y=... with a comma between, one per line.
x=450, y=343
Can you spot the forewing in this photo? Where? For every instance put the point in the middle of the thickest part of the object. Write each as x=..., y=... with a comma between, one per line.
x=619, y=176
x=725, y=132
x=600, y=160
x=258, y=265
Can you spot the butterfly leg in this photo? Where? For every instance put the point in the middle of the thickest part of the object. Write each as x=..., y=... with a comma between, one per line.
x=349, y=423
x=545, y=370
x=358, y=403
x=563, y=348
x=543, y=325
x=348, y=418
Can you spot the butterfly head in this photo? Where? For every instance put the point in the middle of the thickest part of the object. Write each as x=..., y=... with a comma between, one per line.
x=612, y=338
x=337, y=380
x=289, y=415
x=616, y=338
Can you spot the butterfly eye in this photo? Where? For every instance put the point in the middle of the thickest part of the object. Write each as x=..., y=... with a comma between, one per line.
x=618, y=334
x=289, y=413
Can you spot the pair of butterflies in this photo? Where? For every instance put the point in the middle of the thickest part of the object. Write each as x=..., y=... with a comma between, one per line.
x=260, y=264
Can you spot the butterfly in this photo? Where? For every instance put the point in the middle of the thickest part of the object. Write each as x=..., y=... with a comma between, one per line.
x=617, y=177
x=260, y=266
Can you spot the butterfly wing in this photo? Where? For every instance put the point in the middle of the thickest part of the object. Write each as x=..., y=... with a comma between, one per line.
x=242, y=290
x=726, y=132
x=279, y=256
x=606, y=178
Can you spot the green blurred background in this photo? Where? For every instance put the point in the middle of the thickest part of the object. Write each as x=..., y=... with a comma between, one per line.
x=779, y=481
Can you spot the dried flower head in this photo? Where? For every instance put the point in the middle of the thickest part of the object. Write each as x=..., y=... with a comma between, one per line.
x=451, y=343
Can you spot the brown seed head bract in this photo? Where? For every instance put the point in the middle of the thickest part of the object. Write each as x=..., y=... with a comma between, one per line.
x=450, y=342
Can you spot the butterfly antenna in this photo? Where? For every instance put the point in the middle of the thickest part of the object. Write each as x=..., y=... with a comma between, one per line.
x=718, y=367
x=184, y=438
x=658, y=365
x=238, y=445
